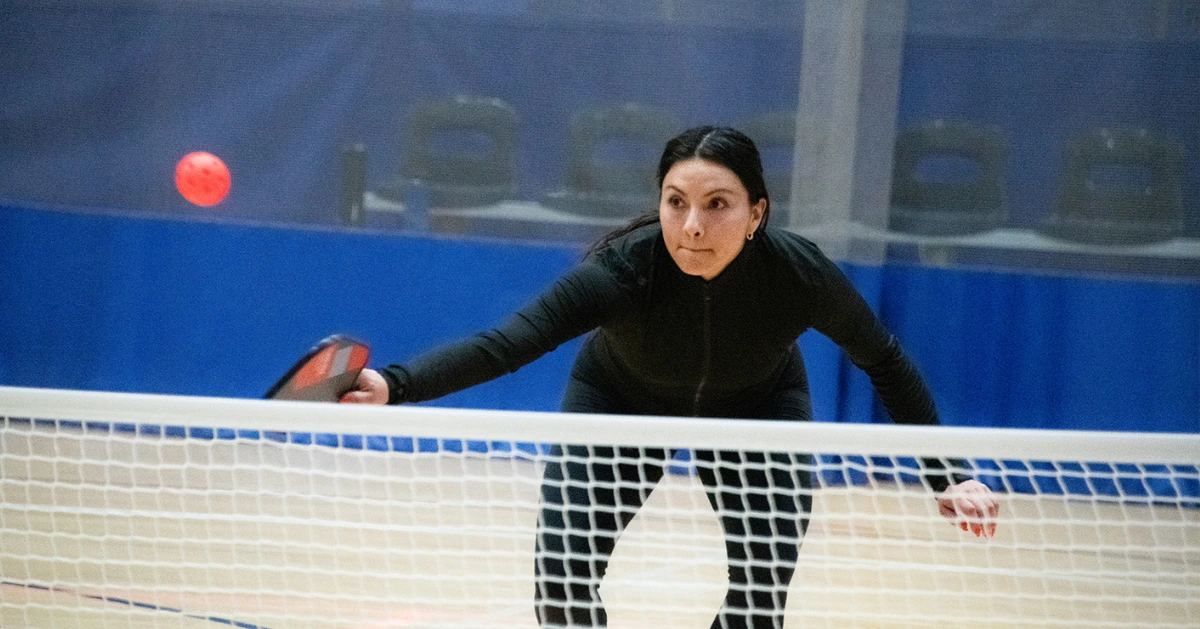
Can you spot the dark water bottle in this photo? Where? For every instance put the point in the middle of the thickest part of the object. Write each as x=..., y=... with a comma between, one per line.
x=354, y=183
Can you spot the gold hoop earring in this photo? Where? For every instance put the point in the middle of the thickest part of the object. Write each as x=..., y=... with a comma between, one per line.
x=750, y=236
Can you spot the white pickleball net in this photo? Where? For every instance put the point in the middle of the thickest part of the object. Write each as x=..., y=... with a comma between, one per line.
x=156, y=511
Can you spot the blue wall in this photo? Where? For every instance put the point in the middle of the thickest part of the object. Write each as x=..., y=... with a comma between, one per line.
x=129, y=303
x=135, y=304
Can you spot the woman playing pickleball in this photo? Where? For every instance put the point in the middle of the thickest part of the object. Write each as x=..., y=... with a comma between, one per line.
x=692, y=310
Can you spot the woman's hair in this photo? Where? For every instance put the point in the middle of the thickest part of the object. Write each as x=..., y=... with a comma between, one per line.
x=724, y=146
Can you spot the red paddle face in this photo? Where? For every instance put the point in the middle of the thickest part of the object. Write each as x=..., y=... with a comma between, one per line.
x=325, y=373
x=330, y=362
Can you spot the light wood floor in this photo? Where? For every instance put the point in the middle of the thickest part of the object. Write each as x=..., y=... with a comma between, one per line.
x=201, y=534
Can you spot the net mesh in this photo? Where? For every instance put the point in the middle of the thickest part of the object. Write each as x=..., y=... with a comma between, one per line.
x=148, y=511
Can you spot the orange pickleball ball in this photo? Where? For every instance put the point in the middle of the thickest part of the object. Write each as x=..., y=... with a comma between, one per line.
x=202, y=178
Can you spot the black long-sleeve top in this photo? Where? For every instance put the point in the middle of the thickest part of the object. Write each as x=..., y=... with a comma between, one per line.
x=675, y=344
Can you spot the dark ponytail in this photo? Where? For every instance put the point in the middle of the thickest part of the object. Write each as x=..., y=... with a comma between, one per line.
x=725, y=146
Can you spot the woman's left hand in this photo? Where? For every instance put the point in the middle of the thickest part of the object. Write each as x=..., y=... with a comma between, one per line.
x=970, y=506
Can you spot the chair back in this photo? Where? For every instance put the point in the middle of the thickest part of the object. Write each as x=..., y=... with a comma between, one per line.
x=464, y=150
x=1119, y=187
x=948, y=179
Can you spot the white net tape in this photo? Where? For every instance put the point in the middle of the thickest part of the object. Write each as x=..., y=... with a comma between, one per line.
x=156, y=511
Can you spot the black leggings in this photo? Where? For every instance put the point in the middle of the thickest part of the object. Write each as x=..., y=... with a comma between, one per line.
x=589, y=497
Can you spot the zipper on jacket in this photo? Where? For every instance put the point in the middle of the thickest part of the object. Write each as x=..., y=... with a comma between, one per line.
x=707, y=364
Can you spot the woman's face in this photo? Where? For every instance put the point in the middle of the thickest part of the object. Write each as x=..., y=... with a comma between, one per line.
x=706, y=216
